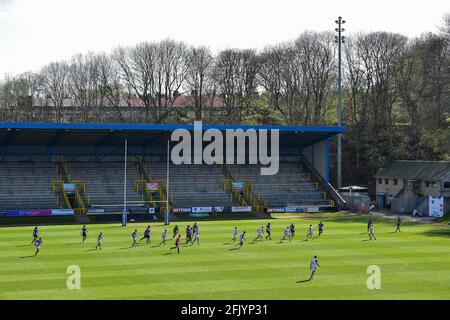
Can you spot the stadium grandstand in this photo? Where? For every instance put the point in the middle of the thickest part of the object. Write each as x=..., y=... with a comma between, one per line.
x=59, y=169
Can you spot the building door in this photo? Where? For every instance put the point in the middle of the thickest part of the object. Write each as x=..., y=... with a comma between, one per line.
x=381, y=200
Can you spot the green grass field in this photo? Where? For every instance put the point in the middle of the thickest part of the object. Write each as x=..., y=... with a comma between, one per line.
x=415, y=264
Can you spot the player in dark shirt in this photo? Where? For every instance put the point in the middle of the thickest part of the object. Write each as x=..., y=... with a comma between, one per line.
x=320, y=227
x=369, y=223
x=292, y=227
x=399, y=221
x=35, y=235
x=188, y=234
x=175, y=231
x=241, y=239
x=84, y=232
x=268, y=230
x=371, y=233
x=147, y=234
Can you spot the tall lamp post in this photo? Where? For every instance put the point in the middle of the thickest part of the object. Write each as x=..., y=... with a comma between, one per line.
x=339, y=39
x=124, y=212
x=167, y=213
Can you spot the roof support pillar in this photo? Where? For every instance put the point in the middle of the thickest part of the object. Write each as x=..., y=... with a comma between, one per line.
x=97, y=152
x=49, y=153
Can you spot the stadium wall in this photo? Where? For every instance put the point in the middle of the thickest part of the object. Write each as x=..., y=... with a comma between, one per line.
x=318, y=155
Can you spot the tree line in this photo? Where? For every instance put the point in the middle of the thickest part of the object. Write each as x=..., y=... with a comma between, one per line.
x=395, y=90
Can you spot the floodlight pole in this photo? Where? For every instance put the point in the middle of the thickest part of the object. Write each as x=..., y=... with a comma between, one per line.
x=124, y=213
x=167, y=213
x=339, y=39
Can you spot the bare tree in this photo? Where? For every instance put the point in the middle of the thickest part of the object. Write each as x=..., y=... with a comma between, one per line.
x=414, y=76
x=273, y=64
x=299, y=77
x=437, y=71
x=235, y=73
x=380, y=53
x=294, y=97
x=371, y=68
x=8, y=98
x=248, y=85
x=55, y=87
x=110, y=87
x=199, y=78
x=357, y=89
x=32, y=94
x=316, y=51
x=18, y=94
x=445, y=28
x=155, y=72
x=356, y=112
x=172, y=68
x=84, y=85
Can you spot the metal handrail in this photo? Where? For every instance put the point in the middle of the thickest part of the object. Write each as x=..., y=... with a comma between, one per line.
x=333, y=192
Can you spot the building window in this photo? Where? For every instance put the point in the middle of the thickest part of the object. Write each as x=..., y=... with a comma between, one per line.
x=427, y=184
x=447, y=185
x=386, y=181
x=380, y=181
x=395, y=182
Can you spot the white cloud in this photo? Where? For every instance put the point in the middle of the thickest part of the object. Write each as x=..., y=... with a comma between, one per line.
x=4, y=5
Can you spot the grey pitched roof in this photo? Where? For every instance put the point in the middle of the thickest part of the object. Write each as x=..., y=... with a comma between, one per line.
x=420, y=170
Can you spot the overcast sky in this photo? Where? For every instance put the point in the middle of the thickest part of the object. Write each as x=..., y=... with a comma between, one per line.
x=35, y=32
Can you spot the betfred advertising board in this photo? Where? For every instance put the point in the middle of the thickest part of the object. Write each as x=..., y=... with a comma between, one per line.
x=182, y=210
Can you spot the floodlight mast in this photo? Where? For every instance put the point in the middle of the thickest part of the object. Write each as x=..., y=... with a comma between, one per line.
x=124, y=213
x=339, y=39
x=167, y=213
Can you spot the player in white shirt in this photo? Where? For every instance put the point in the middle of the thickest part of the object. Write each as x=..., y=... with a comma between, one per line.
x=259, y=234
x=134, y=236
x=310, y=233
x=38, y=244
x=313, y=266
x=99, y=241
x=196, y=236
x=287, y=234
x=235, y=233
x=163, y=237
x=371, y=233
